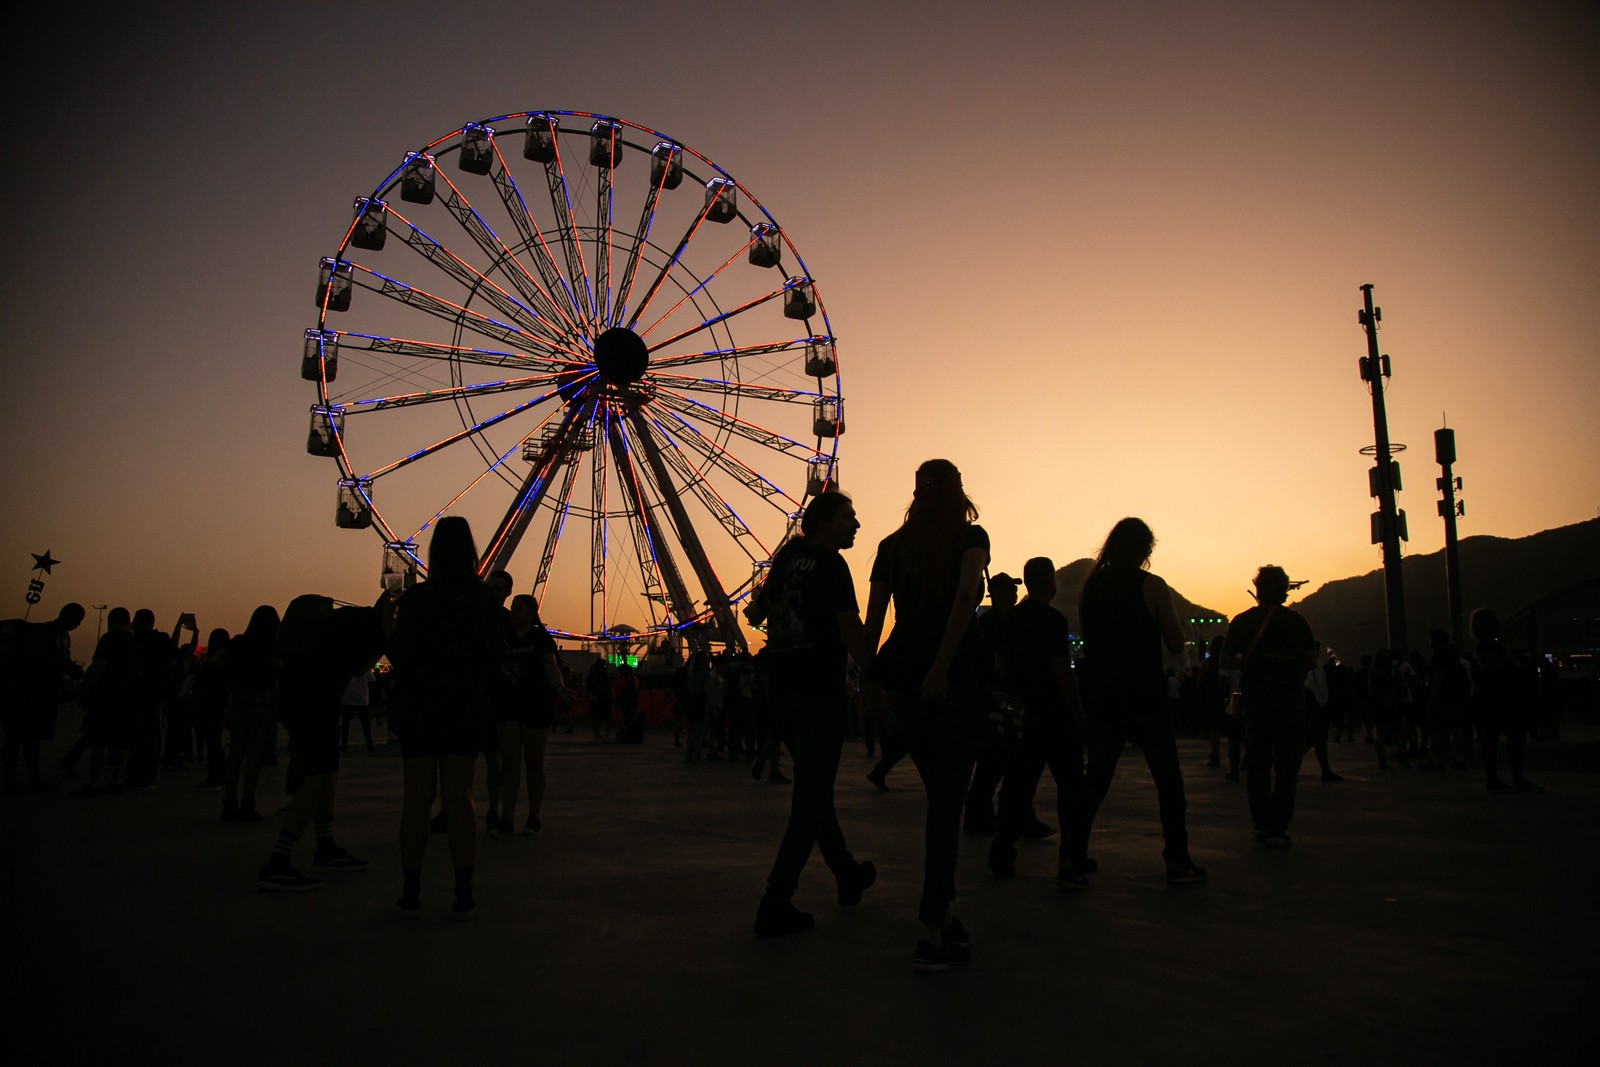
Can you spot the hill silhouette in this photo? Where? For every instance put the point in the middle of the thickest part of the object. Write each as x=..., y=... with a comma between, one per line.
x=1506, y=574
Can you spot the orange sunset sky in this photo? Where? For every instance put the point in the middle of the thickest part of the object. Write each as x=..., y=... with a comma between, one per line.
x=1105, y=257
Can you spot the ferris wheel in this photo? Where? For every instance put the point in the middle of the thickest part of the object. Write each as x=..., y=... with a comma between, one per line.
x=597, y=346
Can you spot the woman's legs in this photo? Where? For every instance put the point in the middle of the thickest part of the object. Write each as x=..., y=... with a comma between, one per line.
x=455, y=779
x=534, y=742
x=419, y=773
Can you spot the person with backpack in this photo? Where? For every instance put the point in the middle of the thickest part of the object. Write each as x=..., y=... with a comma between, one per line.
x=320, y=647
x=1274, y=650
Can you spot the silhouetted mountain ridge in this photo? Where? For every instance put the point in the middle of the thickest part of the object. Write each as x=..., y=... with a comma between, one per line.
x=1347, y=615
x=1503, y=573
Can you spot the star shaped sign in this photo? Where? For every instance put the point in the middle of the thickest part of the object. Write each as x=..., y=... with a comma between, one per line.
x=44, y=562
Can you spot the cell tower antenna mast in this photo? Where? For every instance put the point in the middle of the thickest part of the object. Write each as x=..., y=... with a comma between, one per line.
x=1388, y=522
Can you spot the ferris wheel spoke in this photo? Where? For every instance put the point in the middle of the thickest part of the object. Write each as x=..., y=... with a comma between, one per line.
x=453, y=393
x=716, y=597
x=457, y=438
x=599, y=532
x=741, y=390
x=479, y=230
x=602, y=245
x=716, y=319
x=709, y=498
x=641, y=233
x=714, y=453
x=567, y=229
x=717, y=355
x=443, y=353
x=499, y=461
x=699, y=287
x=522, y=221
x=474, y=321
x=666, y=268
x=536, y=319
x=733, y=424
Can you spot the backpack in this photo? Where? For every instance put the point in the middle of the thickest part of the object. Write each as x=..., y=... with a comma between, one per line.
x=303, y=627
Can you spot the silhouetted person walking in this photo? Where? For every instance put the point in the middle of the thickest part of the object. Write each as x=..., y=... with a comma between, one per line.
x=106, y=697
x=813, y=622
x=320, y=646
x=990, y=763
x=1128, y=615
x=252, y=670
x=1036, y=657
x=932, y=570
x=1274, y=649
x=1501, y=704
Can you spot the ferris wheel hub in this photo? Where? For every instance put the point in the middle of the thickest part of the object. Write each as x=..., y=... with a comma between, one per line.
x=621, y=356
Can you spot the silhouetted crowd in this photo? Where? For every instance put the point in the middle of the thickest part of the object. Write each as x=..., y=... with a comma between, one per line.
x=982, y=702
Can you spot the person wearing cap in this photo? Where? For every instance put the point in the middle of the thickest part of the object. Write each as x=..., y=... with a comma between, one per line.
x=1273, y=648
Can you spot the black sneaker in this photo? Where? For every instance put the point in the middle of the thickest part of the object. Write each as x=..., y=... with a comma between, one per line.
x=337, y=859
x=929, y=958
x=956, y=934
x=491, y=824
x=505, y=829
x=283, y=878
x=1067, y=878
x=408, y=907
x=1039, y=828
x=777, y=777
x=1278, y=839
x=854, y=882
x=463, y=909
x=778, y=918
x=532, y=826
x=1184, y=873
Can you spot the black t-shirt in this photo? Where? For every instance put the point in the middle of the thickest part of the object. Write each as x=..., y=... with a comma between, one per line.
x=804, y=646
x=1032, y=635
x=1277, y=663
x=526, y=688
x=923, y=593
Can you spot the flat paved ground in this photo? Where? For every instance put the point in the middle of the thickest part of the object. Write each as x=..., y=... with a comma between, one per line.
x=1415, y=920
